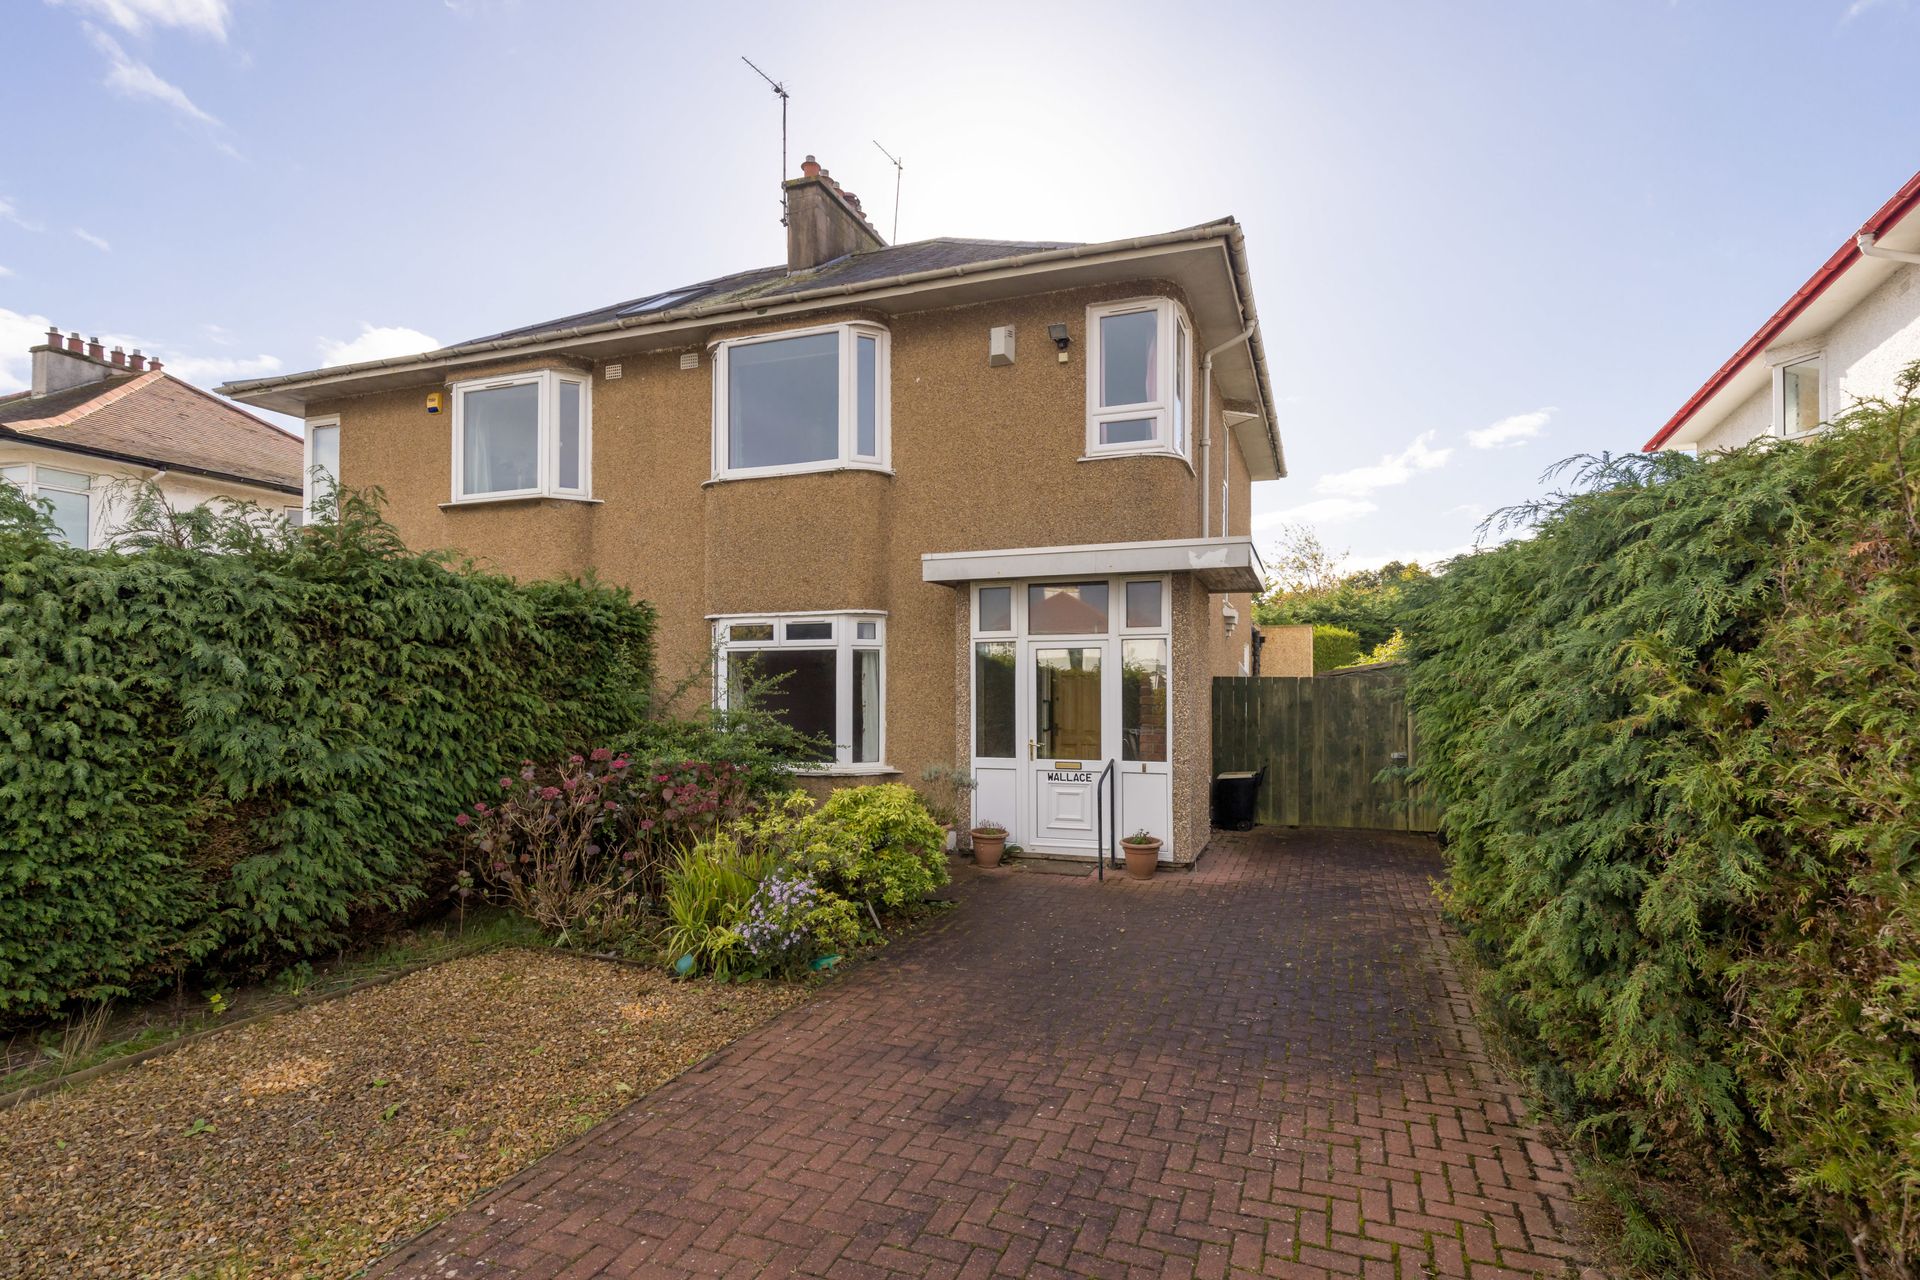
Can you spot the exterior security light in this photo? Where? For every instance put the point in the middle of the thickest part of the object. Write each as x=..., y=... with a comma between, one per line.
x=1058, y=332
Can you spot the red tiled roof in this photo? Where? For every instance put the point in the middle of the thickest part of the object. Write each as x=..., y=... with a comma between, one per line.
x=156, y=419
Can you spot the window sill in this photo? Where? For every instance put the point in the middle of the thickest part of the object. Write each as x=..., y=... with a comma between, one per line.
x=519, y=498
x=844, y=770
x=777, y=473
x=1136, y=453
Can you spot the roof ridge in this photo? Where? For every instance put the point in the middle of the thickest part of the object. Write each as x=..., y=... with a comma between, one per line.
x=233, y=408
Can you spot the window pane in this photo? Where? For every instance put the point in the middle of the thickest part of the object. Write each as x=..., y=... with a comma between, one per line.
x=1143, y=699
x=501, y=439
x=867, y=630
x=1066, y=694
x=867, y=391
x=809, y=631
x=993, y=700
x=51, y=479
x=71, y=513
x=1180, y=388
x=996, y=608
x=1127, y=365
x=569, y=477
x=804, y=696
x=783, y=401
x=1132, y=431
x=326, y=455
x=1799, y=397
x=1143, y=604
x=1067, y=609
x=17, y=474
x=866, y=705
x=750, y=631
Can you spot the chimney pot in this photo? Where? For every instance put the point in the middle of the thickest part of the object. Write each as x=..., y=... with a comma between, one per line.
x=94, y=350
x=136, y=361
x=119, y=356
x=53, y=335
x=810, y=168
x=153, y=366
x=74, y=344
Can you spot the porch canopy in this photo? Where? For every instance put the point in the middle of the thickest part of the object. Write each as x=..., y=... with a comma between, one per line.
x=1221, y=565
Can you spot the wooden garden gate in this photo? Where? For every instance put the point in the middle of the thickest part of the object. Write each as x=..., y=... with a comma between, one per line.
x=1335, y=747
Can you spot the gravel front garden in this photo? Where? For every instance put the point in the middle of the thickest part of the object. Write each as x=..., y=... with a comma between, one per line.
x=308, y=1143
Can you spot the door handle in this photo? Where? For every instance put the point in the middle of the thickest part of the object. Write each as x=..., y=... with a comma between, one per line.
x=1029, y=748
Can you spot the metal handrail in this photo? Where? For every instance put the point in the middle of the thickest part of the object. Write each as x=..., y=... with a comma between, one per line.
x=1104, y=831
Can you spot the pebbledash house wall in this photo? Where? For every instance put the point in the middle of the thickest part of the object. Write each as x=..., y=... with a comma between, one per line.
x=982, y=458
x=1862, y=355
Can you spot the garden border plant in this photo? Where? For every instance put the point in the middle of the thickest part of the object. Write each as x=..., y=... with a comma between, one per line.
x=1676, y=735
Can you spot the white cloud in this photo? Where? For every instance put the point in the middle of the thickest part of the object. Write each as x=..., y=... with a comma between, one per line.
x=11, y=213
x=131, y=78
x=17, y=333
x=1428, y=558
x=207, y=17
x=1507, y=432
x=5, y=271
x=1857, y=8
x=1319, y=511
x=374, y=343
x=208, y=370
x=1395, y=468
x=97, y=242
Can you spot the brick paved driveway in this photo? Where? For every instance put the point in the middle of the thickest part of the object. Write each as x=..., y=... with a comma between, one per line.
x=1263, y=1067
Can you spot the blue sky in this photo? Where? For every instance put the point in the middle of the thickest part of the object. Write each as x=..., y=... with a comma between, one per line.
x=1484, y=236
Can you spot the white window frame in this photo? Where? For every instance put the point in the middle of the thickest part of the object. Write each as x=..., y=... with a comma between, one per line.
x=306, y=463
x=1780, y=369
x=33, y=486
x=848, y=457
x=549, y=381
x=844, y=642
x=1170, y=439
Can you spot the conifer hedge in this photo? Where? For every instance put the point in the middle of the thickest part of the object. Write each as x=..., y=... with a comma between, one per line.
x=1676, y=733
x=235, y=743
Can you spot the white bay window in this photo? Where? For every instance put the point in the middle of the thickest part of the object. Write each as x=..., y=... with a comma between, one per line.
x=827, y=672
x=803, y=400
x=67, y=495
x=1139, y=378
x=524, y=435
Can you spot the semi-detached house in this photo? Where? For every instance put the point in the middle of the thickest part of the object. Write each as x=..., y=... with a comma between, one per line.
x=981, y=503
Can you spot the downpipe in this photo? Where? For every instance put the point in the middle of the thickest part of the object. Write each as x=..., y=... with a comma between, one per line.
x=1206, y=440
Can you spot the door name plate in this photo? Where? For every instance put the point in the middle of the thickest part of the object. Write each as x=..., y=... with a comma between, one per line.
x=1068, y=764
x=1053, y=776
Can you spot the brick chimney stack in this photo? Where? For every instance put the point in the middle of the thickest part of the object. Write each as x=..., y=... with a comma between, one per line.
x=824, y=221
x=61, y=363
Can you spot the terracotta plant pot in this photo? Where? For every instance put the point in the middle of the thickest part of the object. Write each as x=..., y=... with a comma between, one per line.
x=988, y=846
x=1142, y=858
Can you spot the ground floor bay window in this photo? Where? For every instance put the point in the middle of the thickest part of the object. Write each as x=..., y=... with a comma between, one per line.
x=1067, y=678
x=823, y=673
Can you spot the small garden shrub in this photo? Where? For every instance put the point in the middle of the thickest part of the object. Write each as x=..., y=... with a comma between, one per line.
x=1334, y=647
x=552, y=845
x=238, y=759
x=777, y=889
x=1676, y=735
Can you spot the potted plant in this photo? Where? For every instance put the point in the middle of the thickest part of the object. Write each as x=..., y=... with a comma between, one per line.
x=1143, y=854
x=989, y=842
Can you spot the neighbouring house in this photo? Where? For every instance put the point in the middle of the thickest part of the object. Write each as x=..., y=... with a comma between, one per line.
x=1285, y=650
x=977, y=501
x=91, y=421
x=1843, y=336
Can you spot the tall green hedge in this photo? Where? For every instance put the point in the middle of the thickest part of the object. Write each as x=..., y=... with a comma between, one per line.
x=231, y=742
x=1676, y=733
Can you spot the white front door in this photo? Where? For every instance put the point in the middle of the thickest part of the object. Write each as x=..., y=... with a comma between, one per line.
x=1069, y=676
x=1069, y=747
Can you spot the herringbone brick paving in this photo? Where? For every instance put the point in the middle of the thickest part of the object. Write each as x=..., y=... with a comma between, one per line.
x=1264, y=1067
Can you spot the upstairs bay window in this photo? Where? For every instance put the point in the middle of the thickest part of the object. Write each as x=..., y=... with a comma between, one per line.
x=1139, y=378
x=826, y=674
x=806, y=400
x=525, y=435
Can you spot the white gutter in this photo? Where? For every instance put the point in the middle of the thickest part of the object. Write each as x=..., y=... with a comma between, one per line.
x=1870, y=247
x=1206, y=441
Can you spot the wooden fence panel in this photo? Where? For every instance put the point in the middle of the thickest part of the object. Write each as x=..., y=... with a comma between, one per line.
x=1329, y=744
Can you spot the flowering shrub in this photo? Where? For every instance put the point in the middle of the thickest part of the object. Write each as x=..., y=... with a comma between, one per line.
x=672, y=804
x=873, y=845
x=790, y=920
x=550, y=845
